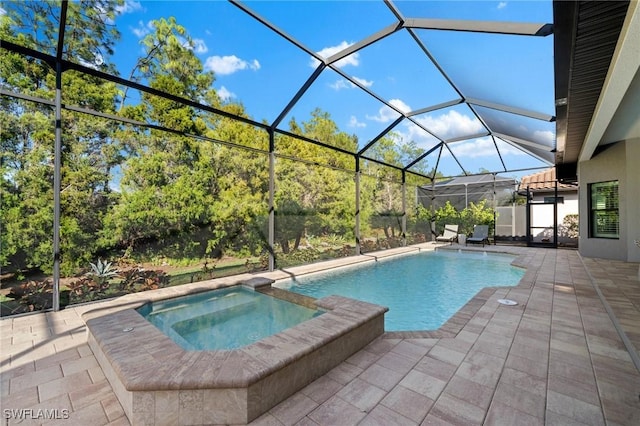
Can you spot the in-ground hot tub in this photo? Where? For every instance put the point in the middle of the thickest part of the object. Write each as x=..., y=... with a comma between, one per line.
x=228, y=318
x=159, y=382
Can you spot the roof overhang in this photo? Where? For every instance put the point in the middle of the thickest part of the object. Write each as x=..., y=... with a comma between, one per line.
x=596, y=70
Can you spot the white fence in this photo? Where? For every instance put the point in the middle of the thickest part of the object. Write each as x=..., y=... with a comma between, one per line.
x=511, y=221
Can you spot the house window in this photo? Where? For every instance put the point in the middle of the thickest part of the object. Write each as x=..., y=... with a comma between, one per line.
x=603, y=205
x=551, y=200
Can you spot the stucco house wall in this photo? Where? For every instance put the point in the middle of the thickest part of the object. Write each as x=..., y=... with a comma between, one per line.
x=621, y=162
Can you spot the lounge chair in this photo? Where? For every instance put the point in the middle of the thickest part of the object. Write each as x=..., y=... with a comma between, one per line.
x=480, y=235
x=449, y=235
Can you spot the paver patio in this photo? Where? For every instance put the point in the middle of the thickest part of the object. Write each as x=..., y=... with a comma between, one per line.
x=556, y=358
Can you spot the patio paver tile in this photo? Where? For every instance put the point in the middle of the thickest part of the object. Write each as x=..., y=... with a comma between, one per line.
x=478, y=374
x=35, y=378
x=520, y=399
x=396, y=362
x=579, y=390
x=423, y=384
x=408, y=402
x=574, y=409
x=381, y=377
x=522, y=380
x=63, y=385
x=435, y=368
x=501, y=414
x=336, y=411
x=322, y=389
x=485, y=360
x=363, y=359
x=469, y=391
x=457, y=411
x=361, y=394
x=344, y=373
x=383, y=416
x=112, y=408
x=88, y=394
x=293, y=409
x=447, y=355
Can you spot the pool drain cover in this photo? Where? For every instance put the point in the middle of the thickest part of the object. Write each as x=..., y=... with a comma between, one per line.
x=507, y=302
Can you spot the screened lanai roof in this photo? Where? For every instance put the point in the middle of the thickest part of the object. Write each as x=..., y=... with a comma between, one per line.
x=468, y=85
x=463, y=190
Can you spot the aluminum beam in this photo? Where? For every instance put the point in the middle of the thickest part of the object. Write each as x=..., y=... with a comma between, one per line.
x=495, y=27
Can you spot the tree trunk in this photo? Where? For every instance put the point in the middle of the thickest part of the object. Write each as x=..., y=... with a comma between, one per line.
x=297, y=243
x=285, y=245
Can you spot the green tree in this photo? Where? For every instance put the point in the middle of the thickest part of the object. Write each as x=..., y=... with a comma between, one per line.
x=322, y=192
x=28, y=134
x=178, y=188
x=480, y=213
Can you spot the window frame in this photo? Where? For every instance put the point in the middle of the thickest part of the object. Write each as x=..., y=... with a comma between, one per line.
x=595, y=212
x=551, y=200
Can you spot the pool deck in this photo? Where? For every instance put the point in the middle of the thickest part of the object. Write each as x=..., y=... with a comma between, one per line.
x=564, y=355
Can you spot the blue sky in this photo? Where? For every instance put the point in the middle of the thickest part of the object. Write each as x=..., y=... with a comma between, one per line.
x=259, y=68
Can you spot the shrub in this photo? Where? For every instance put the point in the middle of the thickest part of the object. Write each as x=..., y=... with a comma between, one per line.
x=33, y=295
x=570, y=226
x=87, y=289
x=139, y=279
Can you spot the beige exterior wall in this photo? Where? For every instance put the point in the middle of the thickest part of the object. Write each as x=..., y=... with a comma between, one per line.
x=633, y=199
x=621, y=162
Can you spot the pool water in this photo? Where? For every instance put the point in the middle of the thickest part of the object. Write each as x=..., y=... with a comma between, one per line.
x=224, y=319
x=422, y=291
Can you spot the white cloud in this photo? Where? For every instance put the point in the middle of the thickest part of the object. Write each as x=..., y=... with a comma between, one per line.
x=197, y=44
x=129, y=6
x=224, y=94
x=327, y=52
x=545, y=136
x=342, y=84
x=353, y=122
x=502, y=5
x=362, y=81
x=386, y=114
x=200, y=46
x=142, y=29
x=508, y=149
x=225, y=65
x=400, y=105
x=481, y=147
x=346, y=84
x=2, y=11
x=451, y=124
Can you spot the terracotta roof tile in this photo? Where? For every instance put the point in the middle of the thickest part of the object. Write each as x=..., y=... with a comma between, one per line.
x=544, y=180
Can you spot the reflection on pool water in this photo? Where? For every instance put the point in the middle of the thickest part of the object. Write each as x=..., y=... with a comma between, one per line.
x=422, y=291
x=224, y=319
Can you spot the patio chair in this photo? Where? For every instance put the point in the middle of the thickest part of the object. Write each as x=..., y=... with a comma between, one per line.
x=480, y=235
x=449, y=235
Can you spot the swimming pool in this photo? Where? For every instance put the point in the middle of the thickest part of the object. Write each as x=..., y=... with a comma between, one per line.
x=422, y=291
x=224, y=319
